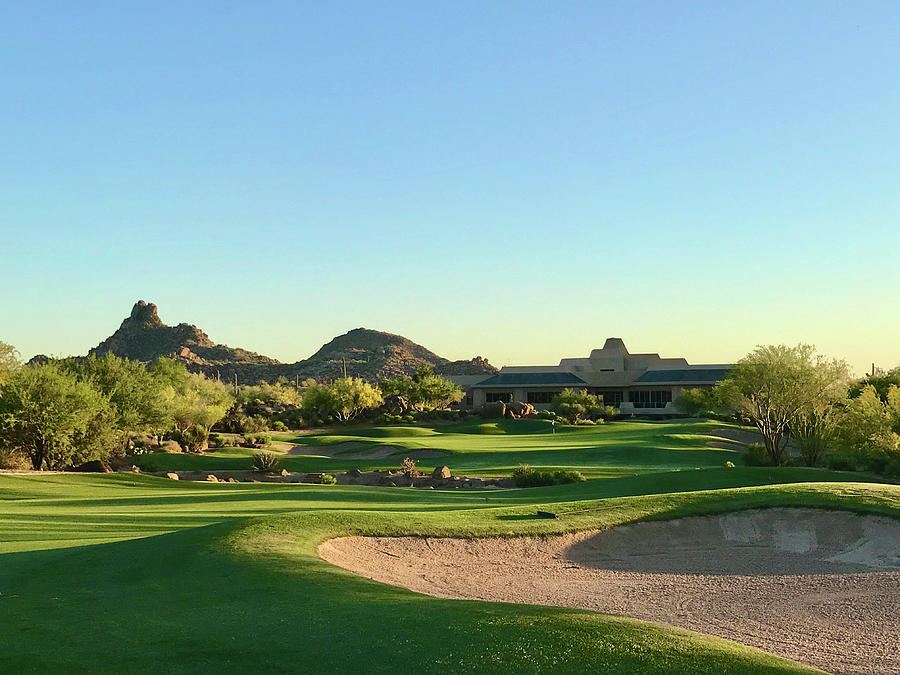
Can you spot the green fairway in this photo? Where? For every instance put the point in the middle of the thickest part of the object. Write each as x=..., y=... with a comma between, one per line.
x=132, y=573
x=490, y=448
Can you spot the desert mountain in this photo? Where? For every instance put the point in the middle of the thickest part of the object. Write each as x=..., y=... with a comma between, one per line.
x=365, y=353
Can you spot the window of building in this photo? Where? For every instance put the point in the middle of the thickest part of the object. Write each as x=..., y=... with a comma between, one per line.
x=613, y=398
x=651, y=399
x=494, y=396
x=540, y=397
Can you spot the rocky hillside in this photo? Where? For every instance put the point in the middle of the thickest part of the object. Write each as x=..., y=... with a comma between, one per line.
x=374, y=355
x=369, y=354
x=144, y=337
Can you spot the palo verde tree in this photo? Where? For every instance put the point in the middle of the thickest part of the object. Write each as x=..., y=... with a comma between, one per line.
x=869, y=425
x=697, y=402
x=343, y=400
x=137, y=399
x=424, y=391
x=573, y=404
x=880, y=380
x=780, y=388
x=195, y=402
x=53, y=418
x=9, y=361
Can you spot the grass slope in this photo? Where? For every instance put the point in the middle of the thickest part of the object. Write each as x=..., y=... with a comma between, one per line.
x=221, y=592
x=492, y=448
x=133, y=573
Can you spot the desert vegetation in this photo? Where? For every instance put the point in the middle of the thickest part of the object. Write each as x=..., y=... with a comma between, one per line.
x=259, y=559
x=792, y=395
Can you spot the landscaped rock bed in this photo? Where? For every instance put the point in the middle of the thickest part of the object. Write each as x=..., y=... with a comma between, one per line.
x=355, y=477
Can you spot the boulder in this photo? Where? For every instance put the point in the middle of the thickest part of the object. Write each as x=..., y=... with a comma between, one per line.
x=172, y=476
x=212, y=479
x=284, y=472
x=135, y=468
x=232, y=480
x=441, y=472
x=518, y=410
x=493, y=410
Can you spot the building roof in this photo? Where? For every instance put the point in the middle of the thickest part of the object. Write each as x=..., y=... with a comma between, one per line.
x=532, y=379
x=690, y=375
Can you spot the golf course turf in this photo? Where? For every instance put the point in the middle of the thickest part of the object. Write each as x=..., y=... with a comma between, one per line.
x=134, y=573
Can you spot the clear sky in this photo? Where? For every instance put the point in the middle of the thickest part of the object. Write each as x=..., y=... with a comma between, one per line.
x=515, y=180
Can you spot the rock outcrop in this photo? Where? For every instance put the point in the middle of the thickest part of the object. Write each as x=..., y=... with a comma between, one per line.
x=369, y=354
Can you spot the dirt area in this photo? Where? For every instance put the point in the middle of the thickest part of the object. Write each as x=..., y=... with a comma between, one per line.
x=820, y=587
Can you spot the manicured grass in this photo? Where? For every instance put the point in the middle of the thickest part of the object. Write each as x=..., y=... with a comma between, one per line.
x=255, y=596
x=493, y=448
x=133, y=573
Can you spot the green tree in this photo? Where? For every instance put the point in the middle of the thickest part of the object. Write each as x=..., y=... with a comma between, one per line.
x=778, y=387
x=193, y=400
x=137, y=398
x=343, y=400
x=696, y=402
x=53, y=418
x=424, y=391
x=9, y=361
x=867, y=420
x=573, y=404
x=880, y=380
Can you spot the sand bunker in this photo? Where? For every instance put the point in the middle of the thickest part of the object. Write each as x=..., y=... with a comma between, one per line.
x=820, y=587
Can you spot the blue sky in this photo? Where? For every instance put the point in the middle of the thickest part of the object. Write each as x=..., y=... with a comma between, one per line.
x=516, y=180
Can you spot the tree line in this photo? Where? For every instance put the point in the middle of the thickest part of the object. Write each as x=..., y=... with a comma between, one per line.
x=64, y=412
x=794, y=395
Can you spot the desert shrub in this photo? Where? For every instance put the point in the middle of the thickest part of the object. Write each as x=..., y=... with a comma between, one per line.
x=522, y=471
x=840, y=461
x=525, y=476
x=255, y=424
x=278, y=425
x=561, y=477
x=266, y=462
x=262, y=440
x=14, y=460
x=729, y=465
x=217, y=441
x=409, y=419
x=588, y=422
x=194, y=439
x=756, y=455
x=408, y=467
x=327, y=479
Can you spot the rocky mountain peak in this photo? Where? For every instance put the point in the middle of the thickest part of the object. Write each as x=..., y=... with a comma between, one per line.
x=144, y=314
x=362, y=352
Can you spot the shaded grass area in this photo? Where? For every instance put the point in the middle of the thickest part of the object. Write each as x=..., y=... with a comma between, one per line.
x=221, y=592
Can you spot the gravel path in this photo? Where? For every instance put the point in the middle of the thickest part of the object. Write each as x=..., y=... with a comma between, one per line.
x=819, y=587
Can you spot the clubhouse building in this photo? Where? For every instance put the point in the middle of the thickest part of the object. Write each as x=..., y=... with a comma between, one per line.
x=640, y=384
